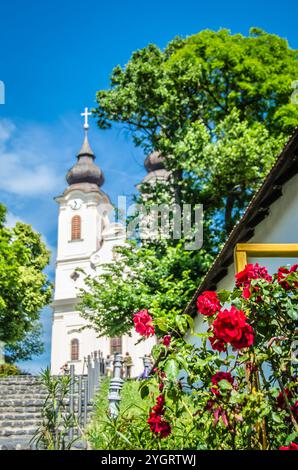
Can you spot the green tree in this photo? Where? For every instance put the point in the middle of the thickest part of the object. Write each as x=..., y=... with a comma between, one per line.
x=217, y=106
x=162, y=276
x=24, y=288
x=188, y=94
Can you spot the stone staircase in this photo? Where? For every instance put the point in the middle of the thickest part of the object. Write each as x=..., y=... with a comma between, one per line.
x=21, y=401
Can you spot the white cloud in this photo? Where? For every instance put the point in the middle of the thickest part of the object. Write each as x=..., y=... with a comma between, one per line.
x=12, y=219
x=26, y=160
x=6, y=129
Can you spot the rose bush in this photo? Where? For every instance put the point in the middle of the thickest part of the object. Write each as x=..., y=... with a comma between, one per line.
x=236, y=387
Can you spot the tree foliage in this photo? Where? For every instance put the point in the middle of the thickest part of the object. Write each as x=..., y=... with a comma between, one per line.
x=192, y=93
x=217, y=106
x=24, y=288
x=165, y=278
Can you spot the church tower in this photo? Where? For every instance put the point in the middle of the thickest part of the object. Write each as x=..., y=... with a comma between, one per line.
x=86, y=239
x=156, y=172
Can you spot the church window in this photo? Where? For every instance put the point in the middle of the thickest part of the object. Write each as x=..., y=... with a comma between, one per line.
x=74, y=350
x=76, y=228
x=116, y=345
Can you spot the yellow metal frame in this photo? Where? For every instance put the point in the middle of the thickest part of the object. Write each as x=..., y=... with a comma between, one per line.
x=266, y=250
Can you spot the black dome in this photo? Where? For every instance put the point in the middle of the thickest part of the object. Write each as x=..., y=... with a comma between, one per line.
x=85, y=170
x=154, y=162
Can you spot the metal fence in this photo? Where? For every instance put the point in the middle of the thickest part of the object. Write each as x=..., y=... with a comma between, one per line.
x=84, y=387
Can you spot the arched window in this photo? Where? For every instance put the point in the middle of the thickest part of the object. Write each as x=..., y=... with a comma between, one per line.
x=76, y=227
x=74, y=350
x=116, y=345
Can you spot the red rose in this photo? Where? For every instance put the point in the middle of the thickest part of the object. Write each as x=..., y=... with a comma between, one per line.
x=294, y=409
x=247, y=338
x=158, y=425
x=159, y=407
x=251, y=271
x=143, y=323
x=282, y=276
x=230, y=327
x=292, y=446
x=246, y=292
x=208, y=303
x=280, y=400
x=228, y=324
x=216, y=378
x=166, y=340
x=217, y=344
x=156, y=421
x=210, y=405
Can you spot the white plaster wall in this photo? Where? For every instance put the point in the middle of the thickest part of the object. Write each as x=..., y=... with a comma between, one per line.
x=98, y=239
x=67, y=325
x=280, y=226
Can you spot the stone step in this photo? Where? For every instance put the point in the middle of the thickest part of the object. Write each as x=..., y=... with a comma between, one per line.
x=19, y=415
x=19, y=443
x=21, y=385
x=16, y=443
x=5, y=393
x=13, y=432
x=23, y=390
x=19, y=380
x=24, y=396
x=12, y=423
x=19, y=402
x=21, y=409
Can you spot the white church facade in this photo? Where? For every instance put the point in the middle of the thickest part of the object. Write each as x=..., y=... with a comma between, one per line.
x=86, y=239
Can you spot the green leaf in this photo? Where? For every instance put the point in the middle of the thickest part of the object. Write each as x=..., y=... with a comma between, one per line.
x=190, y=322
x=162, y=324
x=171, y=369
x=292, y=311
x=155, y=351
x=144, y=391
x=224, y=385
x=181, y=323
x=223, y=295
x=291, y=438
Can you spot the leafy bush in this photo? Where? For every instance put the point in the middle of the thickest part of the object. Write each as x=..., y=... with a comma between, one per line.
x=9, y=369
x=53, y=433
x=236, y=388
x=130, y=430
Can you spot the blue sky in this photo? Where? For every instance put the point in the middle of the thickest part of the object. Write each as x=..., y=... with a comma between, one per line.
x=54, y=56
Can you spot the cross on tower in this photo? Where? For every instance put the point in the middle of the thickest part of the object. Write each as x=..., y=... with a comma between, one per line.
x=86, y=114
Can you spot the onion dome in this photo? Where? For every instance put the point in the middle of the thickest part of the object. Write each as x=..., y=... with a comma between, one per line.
x=156, y=172
x=154, y=162
x=85, y=170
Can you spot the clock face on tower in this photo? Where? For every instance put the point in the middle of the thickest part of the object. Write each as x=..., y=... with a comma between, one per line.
x=75, y=204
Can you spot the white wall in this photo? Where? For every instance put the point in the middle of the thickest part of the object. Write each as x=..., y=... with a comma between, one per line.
x=67, y=326
x=98, y=239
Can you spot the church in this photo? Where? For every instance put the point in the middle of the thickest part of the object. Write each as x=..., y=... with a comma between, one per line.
x=86, y=240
